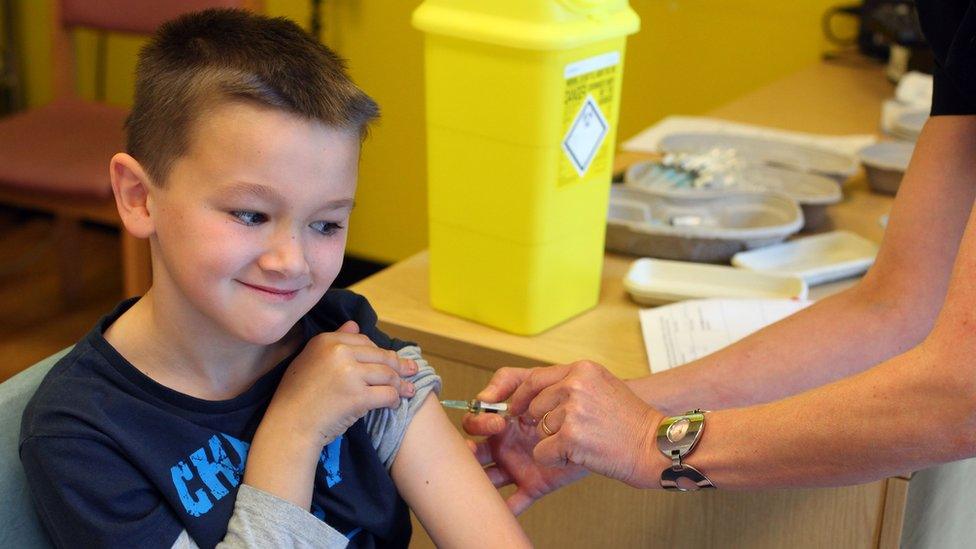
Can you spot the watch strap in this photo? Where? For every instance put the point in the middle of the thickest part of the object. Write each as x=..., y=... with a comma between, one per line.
x=695, y=479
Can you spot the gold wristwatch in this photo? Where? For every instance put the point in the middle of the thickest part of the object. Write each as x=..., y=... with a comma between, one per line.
x=676, y=438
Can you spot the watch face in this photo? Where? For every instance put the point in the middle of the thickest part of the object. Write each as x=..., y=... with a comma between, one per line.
x=678, y=429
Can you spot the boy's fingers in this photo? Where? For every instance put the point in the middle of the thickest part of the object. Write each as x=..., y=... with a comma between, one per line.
x=349, y=327
x=408, y=367
x=379, y=374
x=382, y=396
x=402, y=366
x=345, y=338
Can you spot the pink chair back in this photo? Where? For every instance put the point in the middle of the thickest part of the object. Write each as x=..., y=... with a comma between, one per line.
x=132, y=16
x=140, y=17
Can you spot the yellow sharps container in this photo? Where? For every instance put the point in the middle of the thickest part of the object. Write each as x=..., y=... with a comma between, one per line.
x=522, y=100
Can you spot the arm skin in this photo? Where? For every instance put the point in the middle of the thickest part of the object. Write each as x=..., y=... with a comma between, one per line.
x=887, y=313
x=887, y=366
x=447, y=489
x=911, y=411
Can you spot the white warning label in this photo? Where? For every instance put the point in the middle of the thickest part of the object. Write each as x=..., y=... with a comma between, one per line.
x=585, y=135
x=588, y=107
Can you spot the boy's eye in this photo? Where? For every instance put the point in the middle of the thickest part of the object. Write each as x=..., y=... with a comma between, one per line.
x=325, y=227
x=249, y=218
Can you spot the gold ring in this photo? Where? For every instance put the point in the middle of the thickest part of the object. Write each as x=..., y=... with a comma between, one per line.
x=549, y=432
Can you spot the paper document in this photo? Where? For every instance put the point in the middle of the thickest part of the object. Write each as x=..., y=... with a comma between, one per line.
x=681, y=332
x=648, y=140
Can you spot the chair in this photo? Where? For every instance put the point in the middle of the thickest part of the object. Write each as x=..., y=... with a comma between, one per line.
x=55, y=158
x=19, y=524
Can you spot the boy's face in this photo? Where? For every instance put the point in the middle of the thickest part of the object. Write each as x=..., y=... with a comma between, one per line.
x=251, y=222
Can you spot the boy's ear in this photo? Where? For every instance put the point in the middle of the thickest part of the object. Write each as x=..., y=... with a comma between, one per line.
x=131, y=185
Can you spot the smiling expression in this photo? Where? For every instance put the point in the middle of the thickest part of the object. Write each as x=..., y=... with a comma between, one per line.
x=251, y=223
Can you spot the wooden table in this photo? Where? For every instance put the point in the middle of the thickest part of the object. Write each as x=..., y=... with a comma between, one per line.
x=600, y=512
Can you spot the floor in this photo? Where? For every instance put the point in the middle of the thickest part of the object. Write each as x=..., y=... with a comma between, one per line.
x=35, y=322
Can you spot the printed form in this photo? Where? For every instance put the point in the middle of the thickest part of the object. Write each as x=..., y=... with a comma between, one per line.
x=681, y=332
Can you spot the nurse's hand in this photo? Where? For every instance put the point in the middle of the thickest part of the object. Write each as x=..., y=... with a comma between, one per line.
x=507, y=457
x=589, y=417
x=594, y=420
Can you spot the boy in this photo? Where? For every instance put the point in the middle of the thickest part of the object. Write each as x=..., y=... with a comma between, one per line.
x=238, y=401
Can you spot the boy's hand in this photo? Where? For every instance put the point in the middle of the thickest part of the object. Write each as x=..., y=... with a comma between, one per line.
x=335, y=380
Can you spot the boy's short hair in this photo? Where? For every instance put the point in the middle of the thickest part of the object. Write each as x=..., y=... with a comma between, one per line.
x=200, y=60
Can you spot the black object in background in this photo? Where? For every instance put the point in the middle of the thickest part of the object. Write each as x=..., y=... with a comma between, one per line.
x=887, y=22
x=884, y=27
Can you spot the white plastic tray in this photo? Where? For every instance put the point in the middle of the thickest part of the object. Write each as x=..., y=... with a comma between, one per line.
x=804, y=158
x=909, y=124
x=816, y=259
x=659, y=281
x=812, y=191
x=888, y=155
x=885, y=164
x=805, y=188
x=697, y=225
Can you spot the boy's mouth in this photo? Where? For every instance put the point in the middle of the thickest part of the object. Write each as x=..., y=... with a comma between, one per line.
x=279, y=293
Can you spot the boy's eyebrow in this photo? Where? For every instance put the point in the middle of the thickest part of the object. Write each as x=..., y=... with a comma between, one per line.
x=260, y=191
x=271, y=194
x=339, y=204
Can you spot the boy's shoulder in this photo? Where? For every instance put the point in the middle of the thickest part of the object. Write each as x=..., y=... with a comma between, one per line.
x=83, y=388
x=338, y=306
x=64, y=394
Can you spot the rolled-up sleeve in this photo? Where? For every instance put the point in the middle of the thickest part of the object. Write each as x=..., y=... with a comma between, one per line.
x=386, y=426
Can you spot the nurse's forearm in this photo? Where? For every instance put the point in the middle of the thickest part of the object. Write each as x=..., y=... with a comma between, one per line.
x=910, y=412
x=890, y=311
x=792, y=355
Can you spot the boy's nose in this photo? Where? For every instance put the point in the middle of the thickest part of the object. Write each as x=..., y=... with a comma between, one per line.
x=286, y=256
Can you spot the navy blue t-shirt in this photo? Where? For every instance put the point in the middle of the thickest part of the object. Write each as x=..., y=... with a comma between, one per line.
x=115, y=459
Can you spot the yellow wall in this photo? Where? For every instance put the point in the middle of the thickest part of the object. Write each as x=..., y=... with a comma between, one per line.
x=690, y=56
x=693, y=55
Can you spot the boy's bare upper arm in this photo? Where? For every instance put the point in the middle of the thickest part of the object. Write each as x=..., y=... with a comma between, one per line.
x=445, y=486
